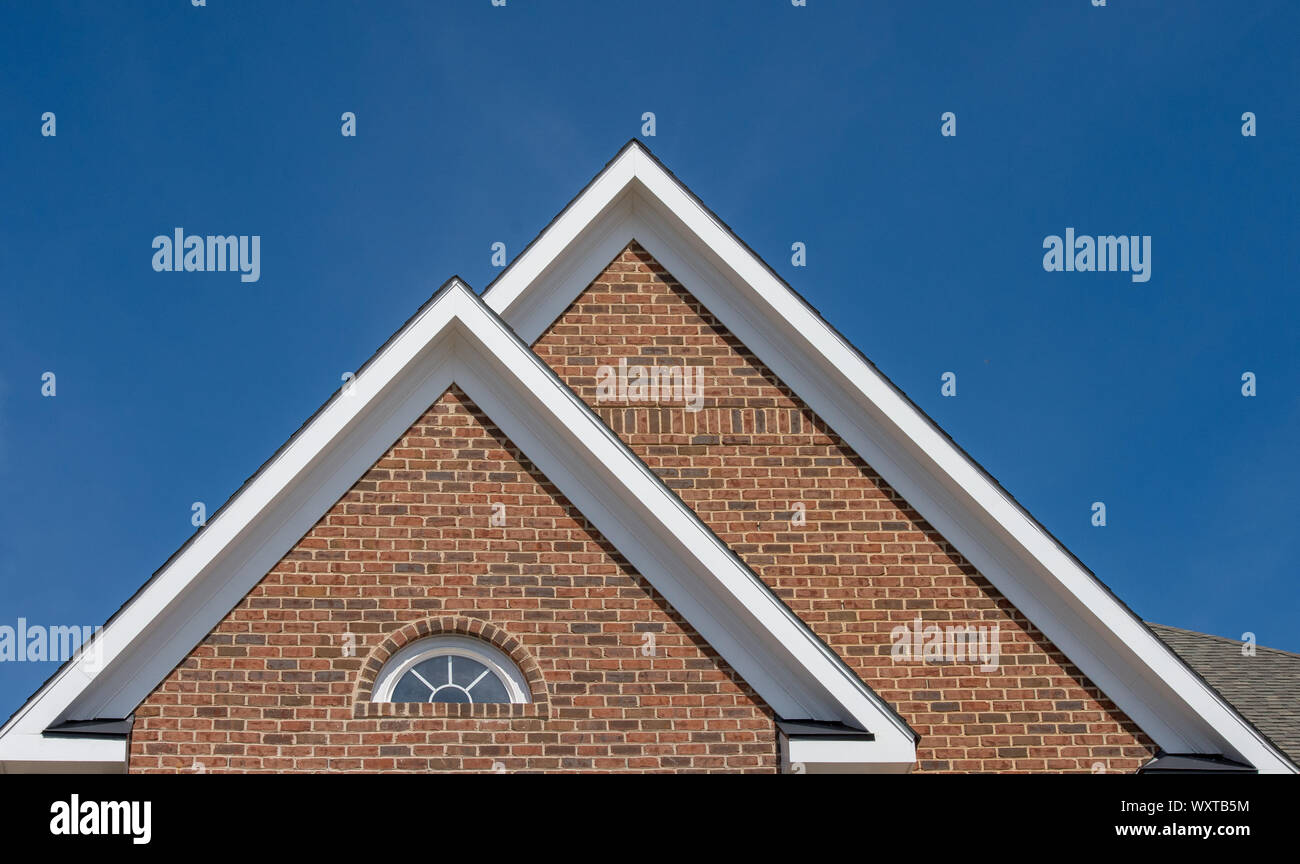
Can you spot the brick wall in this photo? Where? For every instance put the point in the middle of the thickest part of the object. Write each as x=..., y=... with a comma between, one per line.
x=282, y=683
x=863, y=562
x=278, y=685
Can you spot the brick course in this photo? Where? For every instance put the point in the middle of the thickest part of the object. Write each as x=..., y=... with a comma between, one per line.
x=862, y=564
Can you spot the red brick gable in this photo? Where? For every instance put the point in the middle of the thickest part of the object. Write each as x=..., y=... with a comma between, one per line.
x=411, y=550
x=863, y=563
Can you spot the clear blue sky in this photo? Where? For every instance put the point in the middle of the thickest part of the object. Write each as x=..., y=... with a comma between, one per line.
x=817, y=124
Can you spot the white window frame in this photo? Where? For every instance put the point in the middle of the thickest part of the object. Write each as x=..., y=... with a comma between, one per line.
x=496, y=660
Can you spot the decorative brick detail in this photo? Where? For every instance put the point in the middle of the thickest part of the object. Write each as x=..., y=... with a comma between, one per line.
x=411, y=548
x=863, y=563
x=450, y=625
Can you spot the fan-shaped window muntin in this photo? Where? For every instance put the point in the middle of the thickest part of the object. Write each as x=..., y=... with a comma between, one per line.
x=451, y=670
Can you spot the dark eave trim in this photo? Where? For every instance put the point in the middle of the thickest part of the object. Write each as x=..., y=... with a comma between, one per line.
x=822, y=729
x=93, y=728
x=1194, y=763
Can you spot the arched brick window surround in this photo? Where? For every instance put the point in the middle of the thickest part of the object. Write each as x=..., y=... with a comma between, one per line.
x=451, y=625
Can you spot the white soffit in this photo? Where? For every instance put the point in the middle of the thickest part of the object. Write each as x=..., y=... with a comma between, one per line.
x=455, y=338
x=636, y=198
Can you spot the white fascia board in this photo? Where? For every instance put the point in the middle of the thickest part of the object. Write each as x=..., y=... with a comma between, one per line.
x=1083, y=619
x=818, y=755
x=454, y=339
x=48, y=754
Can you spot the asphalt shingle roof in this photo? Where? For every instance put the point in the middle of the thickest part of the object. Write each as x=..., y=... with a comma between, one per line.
x=1264, y=688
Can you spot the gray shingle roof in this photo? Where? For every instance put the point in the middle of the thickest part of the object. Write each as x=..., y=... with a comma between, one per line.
x=1264, y=688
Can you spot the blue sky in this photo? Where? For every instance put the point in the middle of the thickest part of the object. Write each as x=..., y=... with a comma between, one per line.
x=820, y=124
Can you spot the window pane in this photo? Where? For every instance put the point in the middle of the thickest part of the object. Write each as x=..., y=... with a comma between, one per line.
x=411, y=689
x=464, y=670
x=450, y=693
x=490, y=689
x=434, y=670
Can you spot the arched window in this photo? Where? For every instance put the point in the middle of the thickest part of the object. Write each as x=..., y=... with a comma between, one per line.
x=450, y=669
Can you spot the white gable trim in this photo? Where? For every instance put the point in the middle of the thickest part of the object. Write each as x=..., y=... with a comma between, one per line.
x=455, y=338
x=636, y=198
